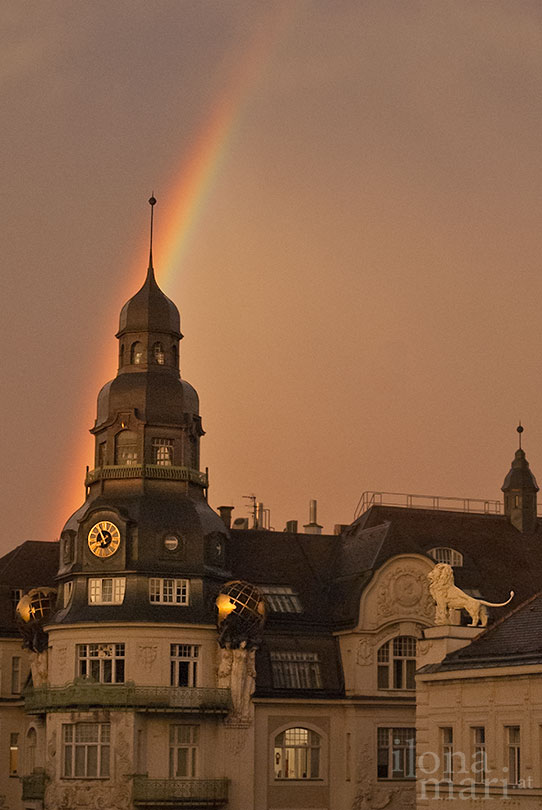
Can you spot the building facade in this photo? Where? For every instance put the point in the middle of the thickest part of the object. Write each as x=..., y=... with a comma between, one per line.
x=187, y=664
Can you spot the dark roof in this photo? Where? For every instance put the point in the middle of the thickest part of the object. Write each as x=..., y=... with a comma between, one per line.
x=496, y=556
x=513, y=640
x=30, y=565
x=149, y=310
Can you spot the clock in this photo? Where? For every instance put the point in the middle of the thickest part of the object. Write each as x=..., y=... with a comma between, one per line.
x=104, y=539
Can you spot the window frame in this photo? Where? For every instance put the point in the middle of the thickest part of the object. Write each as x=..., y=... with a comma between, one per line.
x=388, y=735
x=479, y=747
x=191, y=746
x=446, y=734
x=281, y=599
x=103, y=765
x=315, y=743
x=93, y=667
x=189, y=654
x=15, y=683
x=179, y=591
x=295, y=669
x=118, y=590
x=14, y=753
x=163, y=451
x=513, y=755
x=394, y=666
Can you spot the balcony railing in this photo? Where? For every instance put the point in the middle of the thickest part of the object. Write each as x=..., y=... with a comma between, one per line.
x=180, y=792
x=124, y=696
x=437, y=502
x=33, y=786
x=147, y=471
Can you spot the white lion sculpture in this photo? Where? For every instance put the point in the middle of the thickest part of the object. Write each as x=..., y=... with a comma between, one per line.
x=449, y=597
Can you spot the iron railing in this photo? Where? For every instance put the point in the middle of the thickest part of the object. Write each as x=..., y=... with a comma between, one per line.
x=33, y=786
x=147, y=471
x=437, y=502
x=181, y=792
x=124, y=696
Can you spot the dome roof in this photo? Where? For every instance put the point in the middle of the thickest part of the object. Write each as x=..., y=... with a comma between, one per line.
x=149, y=310
x=520, y=475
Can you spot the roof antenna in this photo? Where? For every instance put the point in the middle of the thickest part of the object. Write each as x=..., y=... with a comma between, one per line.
x=152, y=203
x=520, y=431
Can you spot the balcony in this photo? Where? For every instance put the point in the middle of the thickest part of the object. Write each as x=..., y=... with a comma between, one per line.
x=33, y=786
x=147, y=471
x=84, y=695
x=180, y=792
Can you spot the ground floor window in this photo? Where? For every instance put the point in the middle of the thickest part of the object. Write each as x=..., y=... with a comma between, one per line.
x=297, y=754
x=396, y=753
x=183, y=751
x=85, y=750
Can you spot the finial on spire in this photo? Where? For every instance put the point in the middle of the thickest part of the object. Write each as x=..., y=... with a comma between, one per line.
x=152, y=203
x=520, y=431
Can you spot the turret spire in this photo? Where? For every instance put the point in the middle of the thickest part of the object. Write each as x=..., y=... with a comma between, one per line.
x=520, y=431
x=152, y=203
x=520, y=490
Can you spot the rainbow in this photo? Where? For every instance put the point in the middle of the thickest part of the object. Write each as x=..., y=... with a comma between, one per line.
x=184, y=202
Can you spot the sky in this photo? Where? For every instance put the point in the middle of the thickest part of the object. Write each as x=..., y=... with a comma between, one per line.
x=348, y=218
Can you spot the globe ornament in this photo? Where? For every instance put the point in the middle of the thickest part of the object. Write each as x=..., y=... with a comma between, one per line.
x=33, y=611
x=241, y=615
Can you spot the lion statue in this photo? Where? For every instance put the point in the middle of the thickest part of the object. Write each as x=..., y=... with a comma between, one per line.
x=449, y=597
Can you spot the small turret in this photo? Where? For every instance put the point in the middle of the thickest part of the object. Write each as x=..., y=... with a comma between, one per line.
x=520, y=488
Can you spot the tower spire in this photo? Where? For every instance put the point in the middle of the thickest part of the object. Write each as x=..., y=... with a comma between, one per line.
x=152, y=203
x=520, y=431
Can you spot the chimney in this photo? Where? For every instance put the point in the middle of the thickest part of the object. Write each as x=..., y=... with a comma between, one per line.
x=225, y=514
x=312, y=527
x=291, y=527
x=260, y=519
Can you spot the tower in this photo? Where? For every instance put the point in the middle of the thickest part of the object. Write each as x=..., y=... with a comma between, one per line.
x=520, y=488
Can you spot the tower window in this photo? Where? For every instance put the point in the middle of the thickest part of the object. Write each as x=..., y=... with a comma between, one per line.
x=158, y=354
x=162, y=452
x=136, y=353
x=126, y=448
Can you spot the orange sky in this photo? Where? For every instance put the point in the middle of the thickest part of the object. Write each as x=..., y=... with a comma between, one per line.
x=359, y=289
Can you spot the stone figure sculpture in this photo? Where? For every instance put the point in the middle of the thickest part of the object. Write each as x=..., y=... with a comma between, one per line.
x=449, y=597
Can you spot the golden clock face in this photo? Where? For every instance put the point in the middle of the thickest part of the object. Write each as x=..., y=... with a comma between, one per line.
x=104, y=539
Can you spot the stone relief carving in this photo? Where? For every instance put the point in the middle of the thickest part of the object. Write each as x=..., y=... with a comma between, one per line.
x=148, y=653
x=448, y=597
x=365, y=653
x=39, y=666
x=372, y=796
x=404, y=590
x=60, y=653
x=95, y=797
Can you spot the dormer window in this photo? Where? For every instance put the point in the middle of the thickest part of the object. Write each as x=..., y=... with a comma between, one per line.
x=447, y=555
x=158, y=353
x=136, y=353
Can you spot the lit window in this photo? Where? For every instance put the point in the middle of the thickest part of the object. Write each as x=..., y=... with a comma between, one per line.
x=168, y=591
x=183, y=751
x=13, y=754
x=399, y=655
x=479, y=762
x=15, y=596
x=297, y=754
x=15, y=675
x=447, y=752
x=281, y=599
x=136, y=354
x=103, y=663
x=162, y=452
x=85, y=750
x=296, y=670
x=108, y=591
x=158, y=353
x=67, y=590
x=447, y=555
x=126, y=448
x=184, y=664
x=396, y=753
x=514, y=754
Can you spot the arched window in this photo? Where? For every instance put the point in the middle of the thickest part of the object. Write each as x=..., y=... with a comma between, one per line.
x=447, y=555
x=297, y=754
x=121, y=355
x=126, y=448
x=397, y=663
x=31, y=744
x=175, y=355
x=136, y=353
x=158, y=354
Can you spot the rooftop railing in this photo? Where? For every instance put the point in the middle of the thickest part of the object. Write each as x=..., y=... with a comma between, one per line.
x=123, y=696
x=180, y=792
x=147, y=471
x=437, y=502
